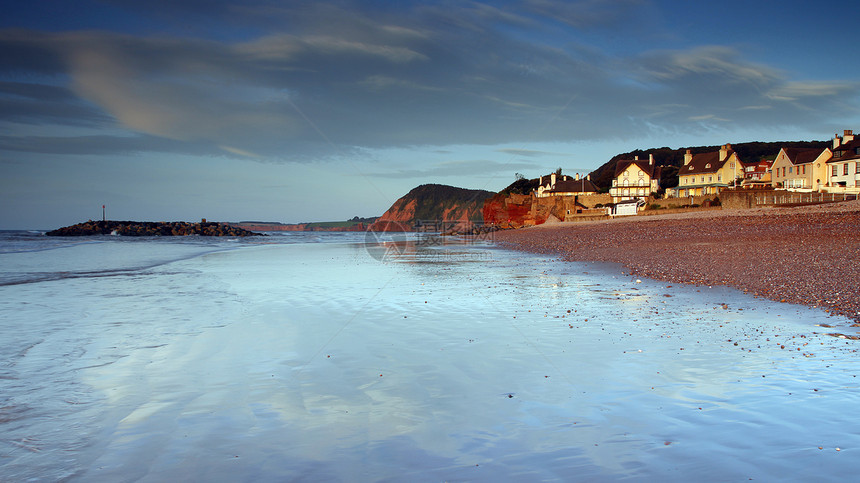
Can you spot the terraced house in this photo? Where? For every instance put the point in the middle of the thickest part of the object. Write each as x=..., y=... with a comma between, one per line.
x=800, y=169
x=844, y=166
x=709, y=173
x=635, y=179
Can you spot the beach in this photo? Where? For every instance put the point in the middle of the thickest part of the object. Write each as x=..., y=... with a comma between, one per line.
x=341, y=357
x=802, y=255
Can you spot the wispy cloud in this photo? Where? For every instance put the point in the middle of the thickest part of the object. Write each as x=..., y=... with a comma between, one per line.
x=364, y=76
x=529, y=153
x=469, y=168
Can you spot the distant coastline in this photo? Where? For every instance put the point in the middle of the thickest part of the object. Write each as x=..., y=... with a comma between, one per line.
x=151, y=228
x=354, y=224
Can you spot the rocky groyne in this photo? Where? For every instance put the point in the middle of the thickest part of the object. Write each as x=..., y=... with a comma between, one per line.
x=151, y=228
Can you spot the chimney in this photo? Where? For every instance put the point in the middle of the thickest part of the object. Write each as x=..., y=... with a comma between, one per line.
x=540, y=182
x=588, y=177
x=636, y=158
x=723, y=152
x=650, y=160
x=552, y=179
x=564, y=178
x=848, y=136
x=688, y=156
x=577, y=177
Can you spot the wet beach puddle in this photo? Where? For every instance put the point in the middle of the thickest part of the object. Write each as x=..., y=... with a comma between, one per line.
x=440, y=362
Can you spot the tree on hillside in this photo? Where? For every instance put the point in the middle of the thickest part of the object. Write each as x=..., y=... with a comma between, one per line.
x=667, y=157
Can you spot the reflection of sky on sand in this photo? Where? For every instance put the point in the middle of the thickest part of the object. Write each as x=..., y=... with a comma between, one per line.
x=322, y=362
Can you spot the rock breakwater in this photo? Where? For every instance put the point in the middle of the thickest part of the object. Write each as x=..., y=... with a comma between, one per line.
x=151, y=228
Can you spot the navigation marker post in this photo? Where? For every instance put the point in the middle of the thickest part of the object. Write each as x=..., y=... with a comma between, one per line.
x=103, y=212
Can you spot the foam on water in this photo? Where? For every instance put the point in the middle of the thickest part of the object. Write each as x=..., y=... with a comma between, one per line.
x=309, y=356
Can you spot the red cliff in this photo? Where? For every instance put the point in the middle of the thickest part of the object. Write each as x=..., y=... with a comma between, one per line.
x=433, y=203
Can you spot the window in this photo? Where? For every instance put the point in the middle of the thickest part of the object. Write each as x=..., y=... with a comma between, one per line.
x=719, y=177
x=804, y=169
x=626, y=182
x=732, y=165
x=857, y=167
x=703, y=179
x=710, y=179
x=790, y=169
x=707, y=165
x=614, y=182
x=783, y=170
x=834, y=170
x=845, y=169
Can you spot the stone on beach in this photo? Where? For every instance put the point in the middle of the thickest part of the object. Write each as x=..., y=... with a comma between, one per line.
x=803, y=255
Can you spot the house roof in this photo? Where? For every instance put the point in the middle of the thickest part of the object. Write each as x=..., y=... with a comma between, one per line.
x=705, y=163
x=849, y=150
x=764, y=164
x=802, y=155
x=573, y=186
x=643, y=164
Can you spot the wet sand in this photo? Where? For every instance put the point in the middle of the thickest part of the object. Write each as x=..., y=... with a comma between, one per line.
x=806, y=255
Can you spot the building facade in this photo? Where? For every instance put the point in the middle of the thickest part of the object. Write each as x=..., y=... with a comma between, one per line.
x=709, y=173
x=635, y=179
x=844, y=167
x=800, y=169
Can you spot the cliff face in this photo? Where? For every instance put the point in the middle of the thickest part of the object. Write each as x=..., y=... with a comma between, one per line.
x=513, y=209
x=433, y=202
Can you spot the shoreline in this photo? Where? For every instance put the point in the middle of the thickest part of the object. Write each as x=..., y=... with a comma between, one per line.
x=808, y=255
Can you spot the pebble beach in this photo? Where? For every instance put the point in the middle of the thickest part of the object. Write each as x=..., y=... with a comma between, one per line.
x=802, y=255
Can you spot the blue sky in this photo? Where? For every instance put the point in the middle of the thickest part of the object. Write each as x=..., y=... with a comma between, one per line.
x=309, y=111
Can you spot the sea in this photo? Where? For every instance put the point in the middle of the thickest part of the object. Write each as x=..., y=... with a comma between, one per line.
x=403, y=357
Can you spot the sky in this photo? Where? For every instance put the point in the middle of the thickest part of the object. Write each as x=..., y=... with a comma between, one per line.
x=295, y=111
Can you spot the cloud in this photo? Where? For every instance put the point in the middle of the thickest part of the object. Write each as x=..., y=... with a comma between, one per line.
x=296, y=81
x=718, y=80
x=474, y=168
x=527, y=152
x=36, y=103
x=101, y=145
x=585, y=13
